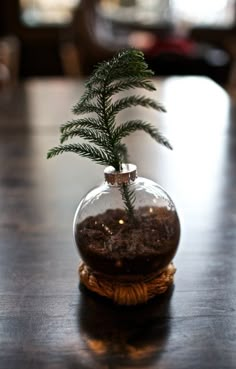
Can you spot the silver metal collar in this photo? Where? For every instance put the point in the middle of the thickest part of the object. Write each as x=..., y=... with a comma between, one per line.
x=127, y=175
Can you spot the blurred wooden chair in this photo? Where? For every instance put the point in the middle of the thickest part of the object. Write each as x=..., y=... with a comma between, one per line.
x=84, y=49
x=9, y=61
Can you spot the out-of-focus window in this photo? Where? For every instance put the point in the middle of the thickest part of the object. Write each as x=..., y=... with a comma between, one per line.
x=180, y=12
x=47, y=12
x=205, y=12
x=146, y=12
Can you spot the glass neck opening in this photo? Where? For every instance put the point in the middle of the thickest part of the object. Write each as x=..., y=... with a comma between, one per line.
x=127, y=175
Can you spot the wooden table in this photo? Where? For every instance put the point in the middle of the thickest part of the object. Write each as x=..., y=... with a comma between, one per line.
x=45, y=320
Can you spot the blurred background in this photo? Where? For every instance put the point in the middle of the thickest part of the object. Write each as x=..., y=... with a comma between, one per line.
x=67, y=37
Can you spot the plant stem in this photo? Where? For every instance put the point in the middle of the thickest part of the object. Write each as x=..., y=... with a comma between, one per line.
x=116, y=164
x=127, y=194
x=128, y=197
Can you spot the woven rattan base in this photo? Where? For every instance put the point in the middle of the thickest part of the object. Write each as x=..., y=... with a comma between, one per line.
x=127, y=293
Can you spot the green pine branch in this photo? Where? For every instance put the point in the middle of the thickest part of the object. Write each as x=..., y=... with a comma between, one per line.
x=125, y=129
x=85, y=150
x=125, y=64
x=117, y=86
x=86, y=108
x=90, y=135
x=131, y=101
x=129, y=83
x=88, y=122
x=97, y=111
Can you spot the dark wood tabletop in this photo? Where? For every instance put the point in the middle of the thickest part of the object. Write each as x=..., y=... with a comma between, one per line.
x=46, y=319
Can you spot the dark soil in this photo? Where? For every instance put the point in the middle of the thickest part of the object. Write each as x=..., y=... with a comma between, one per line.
x=113, y=244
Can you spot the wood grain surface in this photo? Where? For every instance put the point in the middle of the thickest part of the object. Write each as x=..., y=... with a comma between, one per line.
x=46, y=321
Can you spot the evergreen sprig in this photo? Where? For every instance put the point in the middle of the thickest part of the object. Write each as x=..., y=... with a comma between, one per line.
x=127, y=70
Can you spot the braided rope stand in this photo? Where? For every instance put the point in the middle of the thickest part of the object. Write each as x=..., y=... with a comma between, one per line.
x=127, y=293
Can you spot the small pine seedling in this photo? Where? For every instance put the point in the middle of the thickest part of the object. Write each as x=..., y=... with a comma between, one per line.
x=97, y=115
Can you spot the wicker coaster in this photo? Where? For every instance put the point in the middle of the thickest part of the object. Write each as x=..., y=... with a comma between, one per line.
x=127, y=293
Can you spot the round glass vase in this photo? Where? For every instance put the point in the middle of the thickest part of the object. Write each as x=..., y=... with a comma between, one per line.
x=126, y=230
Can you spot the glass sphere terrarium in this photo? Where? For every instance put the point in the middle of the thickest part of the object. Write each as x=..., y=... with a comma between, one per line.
x=127, y=243
x=127, y=230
